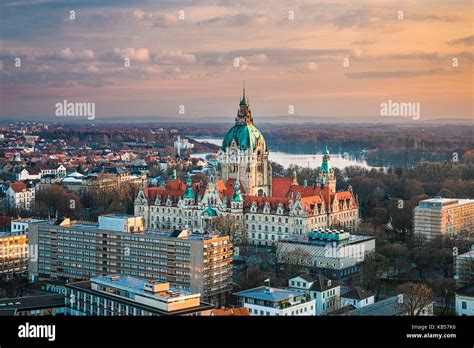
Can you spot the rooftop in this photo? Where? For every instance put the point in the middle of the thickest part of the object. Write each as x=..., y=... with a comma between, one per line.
x=137, y=286
x=387, y=307
x=319, y=282
x=466, y=290
x=439, y=202
x=33, y=302
x=357, y=293
x=325, y=237
x=87, y=225
x=269, y=294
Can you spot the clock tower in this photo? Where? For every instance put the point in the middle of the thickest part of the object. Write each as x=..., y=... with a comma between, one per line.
x=244, y=154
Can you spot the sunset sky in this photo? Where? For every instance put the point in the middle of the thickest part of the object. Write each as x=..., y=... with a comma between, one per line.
x=190, y=61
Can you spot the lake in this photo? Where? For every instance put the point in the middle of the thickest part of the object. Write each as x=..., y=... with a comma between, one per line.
x=340, y=160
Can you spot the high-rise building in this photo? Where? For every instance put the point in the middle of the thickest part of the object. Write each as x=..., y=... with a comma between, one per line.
x=74, y=250
x=126, y=295
x=443, y=217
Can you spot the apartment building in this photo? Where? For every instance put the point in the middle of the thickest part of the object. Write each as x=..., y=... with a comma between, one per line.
x=443, y=217
x=126, y=295
x=20, y=197
x=13, y=254
x=118, y=244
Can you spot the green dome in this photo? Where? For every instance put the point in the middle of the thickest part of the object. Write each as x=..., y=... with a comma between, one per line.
x=246, y=137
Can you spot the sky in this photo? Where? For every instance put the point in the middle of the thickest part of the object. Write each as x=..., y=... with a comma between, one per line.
x=188, y=59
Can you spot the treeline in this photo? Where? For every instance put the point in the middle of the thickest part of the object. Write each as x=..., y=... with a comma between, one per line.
x=55, y=201
x=388, y=197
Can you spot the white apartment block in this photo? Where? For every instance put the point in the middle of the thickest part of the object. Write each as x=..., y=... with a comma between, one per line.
x=443, y=217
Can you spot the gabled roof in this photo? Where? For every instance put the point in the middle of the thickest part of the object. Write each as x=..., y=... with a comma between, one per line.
x=466, y=290
x=18, y=186
x=320, y=282
x=357, y=293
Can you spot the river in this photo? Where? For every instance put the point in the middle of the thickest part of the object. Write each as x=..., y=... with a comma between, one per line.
x=338, y=160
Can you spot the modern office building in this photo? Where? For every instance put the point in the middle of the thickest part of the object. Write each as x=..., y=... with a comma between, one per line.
x=73, y=251
x=13, y=254
x=333, y=253
x=268, y=301
x=126, y=295
x=443, y=217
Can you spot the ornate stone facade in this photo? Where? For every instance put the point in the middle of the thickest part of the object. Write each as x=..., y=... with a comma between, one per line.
x=268, y=208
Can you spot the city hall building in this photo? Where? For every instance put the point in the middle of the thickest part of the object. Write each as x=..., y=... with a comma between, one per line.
x=269, y=208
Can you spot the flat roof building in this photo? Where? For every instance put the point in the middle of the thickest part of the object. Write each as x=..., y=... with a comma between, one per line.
x=126, y=295
x=268, y=301
x=334, y=253
x=39, y=305
x=443, y=217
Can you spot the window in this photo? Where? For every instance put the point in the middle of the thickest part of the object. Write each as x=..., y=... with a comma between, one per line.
x=463, y=305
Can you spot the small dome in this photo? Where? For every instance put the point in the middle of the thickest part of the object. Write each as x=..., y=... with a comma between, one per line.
x=209, y=212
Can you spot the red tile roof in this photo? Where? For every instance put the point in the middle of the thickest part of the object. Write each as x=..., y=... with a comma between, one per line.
x=18, y=186
x=227, y=312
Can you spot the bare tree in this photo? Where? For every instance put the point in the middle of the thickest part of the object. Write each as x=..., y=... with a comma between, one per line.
x=230, y=226
x=414, y=298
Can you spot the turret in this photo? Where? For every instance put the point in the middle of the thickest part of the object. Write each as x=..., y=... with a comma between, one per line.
x=237, y=196
x=189, y=193
x=326, y=176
